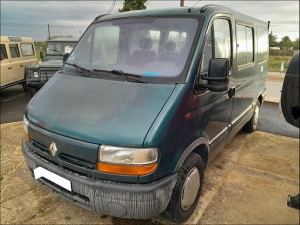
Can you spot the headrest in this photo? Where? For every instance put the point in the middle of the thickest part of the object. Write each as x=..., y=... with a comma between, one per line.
x=145, y=44
x=170, y=46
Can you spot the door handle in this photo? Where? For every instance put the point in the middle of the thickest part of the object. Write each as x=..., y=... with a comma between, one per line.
x=9, y=68
x=231, y=92
x=21, y=65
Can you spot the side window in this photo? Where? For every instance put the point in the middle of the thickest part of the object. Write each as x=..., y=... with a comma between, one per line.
x=27, y=49
x=245, y=40
x=217, y=43
x=3, y=52
x=14, y=50
x=262, y=44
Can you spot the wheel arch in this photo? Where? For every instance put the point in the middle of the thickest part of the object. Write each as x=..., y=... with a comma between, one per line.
x=200, y=147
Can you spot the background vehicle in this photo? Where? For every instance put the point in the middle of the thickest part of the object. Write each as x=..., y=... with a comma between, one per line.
x=38, y=75
x=156, y=94
x=16, y=54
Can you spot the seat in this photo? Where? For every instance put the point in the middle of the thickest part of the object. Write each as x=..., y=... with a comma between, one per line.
x=145, y=55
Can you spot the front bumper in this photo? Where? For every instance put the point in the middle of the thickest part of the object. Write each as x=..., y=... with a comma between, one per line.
x=134, y=201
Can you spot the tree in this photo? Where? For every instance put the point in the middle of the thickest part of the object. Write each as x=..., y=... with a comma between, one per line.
x=130, y=5
x=296, y=44
x=286, y=43
x=272, y=40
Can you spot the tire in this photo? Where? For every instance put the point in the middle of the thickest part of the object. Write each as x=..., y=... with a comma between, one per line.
x=290, y=99
x=25, y=87
x=33, y=91
x=190, y=180
x=251, y=125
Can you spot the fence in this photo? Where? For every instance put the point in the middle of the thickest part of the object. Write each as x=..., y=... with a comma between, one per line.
x=283, y=37
x=284, y=42
x=41, y=32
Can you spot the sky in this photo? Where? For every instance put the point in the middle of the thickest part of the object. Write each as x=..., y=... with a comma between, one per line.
x=82, y=13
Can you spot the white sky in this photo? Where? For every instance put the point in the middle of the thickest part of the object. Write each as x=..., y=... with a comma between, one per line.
x=82, y=13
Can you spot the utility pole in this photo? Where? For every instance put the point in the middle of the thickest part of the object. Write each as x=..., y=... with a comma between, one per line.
x=181, y=3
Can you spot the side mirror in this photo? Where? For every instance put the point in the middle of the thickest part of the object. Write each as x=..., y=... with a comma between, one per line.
x=218, y=75
x=65, y=56
x=41, y=55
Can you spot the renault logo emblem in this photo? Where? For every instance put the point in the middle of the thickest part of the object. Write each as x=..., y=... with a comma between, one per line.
x=53, y=148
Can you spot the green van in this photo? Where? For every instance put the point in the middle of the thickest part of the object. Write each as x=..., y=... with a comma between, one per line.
x=142, y=104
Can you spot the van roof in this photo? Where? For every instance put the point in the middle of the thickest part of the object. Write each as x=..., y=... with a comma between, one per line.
x=16, y=38
x=205, y=10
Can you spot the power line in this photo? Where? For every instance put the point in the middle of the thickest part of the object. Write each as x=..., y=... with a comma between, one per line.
x=112, y=7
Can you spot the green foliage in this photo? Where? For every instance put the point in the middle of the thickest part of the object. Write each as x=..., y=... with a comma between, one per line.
x=60, y=36
x=296, y=44
x=285, y=44
x=272, y=39
x=130, y=5
x=275, y=62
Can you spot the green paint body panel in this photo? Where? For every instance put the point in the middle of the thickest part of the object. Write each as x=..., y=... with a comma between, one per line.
x=81, y=112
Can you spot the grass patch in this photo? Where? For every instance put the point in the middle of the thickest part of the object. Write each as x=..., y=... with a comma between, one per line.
x=276, y=60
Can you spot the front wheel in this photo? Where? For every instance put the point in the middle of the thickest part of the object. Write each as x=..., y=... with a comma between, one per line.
x=251, y=125
x=187, y=190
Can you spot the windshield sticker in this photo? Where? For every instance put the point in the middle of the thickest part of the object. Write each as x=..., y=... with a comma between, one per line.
x=150, y=74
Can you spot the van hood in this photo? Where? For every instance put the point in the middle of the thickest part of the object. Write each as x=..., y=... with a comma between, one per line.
x=96, y=110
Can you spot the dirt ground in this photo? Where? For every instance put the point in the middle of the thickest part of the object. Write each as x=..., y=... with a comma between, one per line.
x=247, y=183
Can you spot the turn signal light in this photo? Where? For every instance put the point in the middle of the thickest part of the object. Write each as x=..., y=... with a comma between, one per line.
x=125, y=169
x=27, y=138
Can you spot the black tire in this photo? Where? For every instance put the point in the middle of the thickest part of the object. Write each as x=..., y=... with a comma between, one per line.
x=33, y=91
x=251, y=125
x=175, y=211
x=25, y=87
x=290, y=99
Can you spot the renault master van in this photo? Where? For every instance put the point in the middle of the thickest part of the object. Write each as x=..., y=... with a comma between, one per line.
x=142, y=104
x=15, y=54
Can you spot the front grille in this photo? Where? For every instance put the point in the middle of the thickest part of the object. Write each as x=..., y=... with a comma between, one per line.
x=47, y=74
x=76, y=161
x=40, y=147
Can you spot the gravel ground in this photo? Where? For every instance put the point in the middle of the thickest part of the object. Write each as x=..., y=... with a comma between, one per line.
x=247, y=183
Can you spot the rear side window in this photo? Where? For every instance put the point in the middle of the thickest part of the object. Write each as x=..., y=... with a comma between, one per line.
x=262, y=44
x=27, y=49
x=3, y=51
x=14, y=50
x=245, y=47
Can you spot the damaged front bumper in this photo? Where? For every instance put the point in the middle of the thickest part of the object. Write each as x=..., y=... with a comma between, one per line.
x=134, y=201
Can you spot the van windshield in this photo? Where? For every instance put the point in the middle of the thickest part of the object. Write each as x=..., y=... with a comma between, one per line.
x=149, y=47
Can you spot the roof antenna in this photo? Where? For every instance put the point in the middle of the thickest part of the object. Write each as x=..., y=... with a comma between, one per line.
x=190, y=9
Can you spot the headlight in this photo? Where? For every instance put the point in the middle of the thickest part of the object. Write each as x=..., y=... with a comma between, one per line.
x=35, y=74
x=127, y=161
x=32, y=74
x=25, y=125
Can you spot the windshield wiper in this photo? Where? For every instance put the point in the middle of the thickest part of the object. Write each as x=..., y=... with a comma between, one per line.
x=80, y=68
x=121, y=73
x=55, y=51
